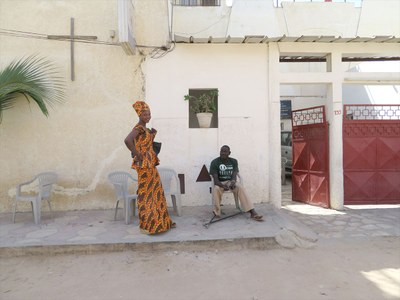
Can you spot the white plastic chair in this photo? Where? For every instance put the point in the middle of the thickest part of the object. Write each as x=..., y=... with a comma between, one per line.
x=45, y=184
x=171, y=186
x=120, y=180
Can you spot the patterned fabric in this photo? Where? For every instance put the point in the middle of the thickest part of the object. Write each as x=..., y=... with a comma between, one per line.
x=152, y=206
x=140, y=106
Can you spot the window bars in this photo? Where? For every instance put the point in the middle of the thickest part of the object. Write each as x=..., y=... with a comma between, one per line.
x=197, y=2
x=371, y=112
x=312, y=115
x=357, y=3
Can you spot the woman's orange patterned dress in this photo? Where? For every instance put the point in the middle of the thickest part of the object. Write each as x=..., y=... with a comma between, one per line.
x=152, y=206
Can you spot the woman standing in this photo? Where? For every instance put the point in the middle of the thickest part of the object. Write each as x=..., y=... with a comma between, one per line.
x=152, y=206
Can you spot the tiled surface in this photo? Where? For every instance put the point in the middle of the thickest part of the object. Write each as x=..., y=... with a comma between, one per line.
x=353, y=221
x=98, y=227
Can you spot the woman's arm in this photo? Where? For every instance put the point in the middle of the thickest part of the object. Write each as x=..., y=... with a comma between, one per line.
x=130, y=143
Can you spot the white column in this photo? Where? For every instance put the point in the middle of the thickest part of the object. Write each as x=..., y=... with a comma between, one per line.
x=274, y=138
x=334, y=116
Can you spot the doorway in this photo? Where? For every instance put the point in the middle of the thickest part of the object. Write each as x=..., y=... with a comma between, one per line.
x=310, y=169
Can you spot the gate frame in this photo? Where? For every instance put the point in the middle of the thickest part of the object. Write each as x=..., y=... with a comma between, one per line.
x=366, y=114
x=315, y=115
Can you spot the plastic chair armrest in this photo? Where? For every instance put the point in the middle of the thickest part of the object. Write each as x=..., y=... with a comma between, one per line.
x=132, y=178
x=19, y=186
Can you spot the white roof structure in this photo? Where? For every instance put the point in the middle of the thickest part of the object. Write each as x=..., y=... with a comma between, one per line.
x=260, y=39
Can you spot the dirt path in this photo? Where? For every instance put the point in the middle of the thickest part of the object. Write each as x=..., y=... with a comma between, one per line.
x=335, y=269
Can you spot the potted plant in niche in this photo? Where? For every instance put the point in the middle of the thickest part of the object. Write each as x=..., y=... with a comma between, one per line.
x=203, y=105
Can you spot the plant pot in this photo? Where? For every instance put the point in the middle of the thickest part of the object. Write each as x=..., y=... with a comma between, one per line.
x=204, y=119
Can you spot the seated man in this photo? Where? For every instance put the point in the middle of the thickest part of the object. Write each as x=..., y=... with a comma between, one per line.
x=224, y=170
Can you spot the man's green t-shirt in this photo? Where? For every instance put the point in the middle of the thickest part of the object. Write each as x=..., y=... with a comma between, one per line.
x=224, y=169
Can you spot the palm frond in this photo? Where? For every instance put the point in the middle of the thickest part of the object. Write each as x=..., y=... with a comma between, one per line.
x=34, y=77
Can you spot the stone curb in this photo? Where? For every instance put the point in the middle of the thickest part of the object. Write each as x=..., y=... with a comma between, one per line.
x=257, y=243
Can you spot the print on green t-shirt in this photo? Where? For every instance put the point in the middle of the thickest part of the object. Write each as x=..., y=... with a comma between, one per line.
x=224, y=169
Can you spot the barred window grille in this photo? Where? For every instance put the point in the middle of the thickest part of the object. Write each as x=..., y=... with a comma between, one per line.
x=312, y=115
x=371, y=112
x=357, y=3
x=197, y=2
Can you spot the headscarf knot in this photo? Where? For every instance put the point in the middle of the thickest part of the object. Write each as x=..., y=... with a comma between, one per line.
x=140, y=106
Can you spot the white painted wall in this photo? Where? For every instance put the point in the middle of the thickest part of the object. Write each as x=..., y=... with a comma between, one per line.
x=239, y=73
x=379, y=17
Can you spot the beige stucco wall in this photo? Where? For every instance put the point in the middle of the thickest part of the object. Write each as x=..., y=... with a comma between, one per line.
x=82, y=139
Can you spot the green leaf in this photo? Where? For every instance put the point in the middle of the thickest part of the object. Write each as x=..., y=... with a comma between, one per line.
x=204, y=102
x=33, y=77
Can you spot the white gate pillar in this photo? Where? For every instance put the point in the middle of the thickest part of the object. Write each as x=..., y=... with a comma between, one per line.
x=274, y=137
x=335, y=118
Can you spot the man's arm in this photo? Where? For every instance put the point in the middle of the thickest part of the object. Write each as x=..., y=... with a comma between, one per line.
x=214, y=174
x=234, y=175
x=232, y=184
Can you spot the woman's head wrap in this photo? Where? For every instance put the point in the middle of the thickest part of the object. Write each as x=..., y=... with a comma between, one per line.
x=140, y=106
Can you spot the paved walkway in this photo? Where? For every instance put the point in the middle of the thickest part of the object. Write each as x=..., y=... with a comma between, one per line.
x=296, y=224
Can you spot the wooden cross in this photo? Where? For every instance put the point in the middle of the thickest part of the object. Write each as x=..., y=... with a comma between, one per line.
x=72, y=37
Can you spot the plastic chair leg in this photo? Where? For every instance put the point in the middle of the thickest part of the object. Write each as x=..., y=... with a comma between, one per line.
x=51, y=211
x=176, y=202
x=33, y=210
x=134, y=207
x=14, y=211
x=127, y=209
x=36, y=211
x=237, y=202
x=116, y=210
x=48, y=201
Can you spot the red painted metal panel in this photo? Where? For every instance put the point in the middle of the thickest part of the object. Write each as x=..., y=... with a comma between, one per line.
x=319, y=187
x=388, y=153
x=359, y=153
x=310, y=171
x=359, y=187
x=371, y=154
x=300, y=186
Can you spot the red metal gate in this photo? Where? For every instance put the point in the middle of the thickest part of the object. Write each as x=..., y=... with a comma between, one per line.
x=371, y=154
x=310, y=172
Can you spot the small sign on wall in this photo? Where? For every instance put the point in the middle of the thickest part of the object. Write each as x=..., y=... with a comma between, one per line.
x=286, y=109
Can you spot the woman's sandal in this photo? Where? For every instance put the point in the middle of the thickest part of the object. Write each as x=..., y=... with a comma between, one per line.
x=173, y=225
x=258, y=218
x=144, y=231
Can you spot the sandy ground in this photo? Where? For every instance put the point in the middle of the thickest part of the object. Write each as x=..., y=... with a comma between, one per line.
x=365, y=268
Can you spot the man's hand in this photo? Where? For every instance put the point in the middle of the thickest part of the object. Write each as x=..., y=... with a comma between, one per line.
x=232, y=184
x=225, y=187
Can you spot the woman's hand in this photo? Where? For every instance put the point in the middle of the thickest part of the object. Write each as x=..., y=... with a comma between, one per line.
x=139, y=157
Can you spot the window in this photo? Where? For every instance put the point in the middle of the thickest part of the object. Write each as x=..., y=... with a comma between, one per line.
x=208, y=98
x=197, y=2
